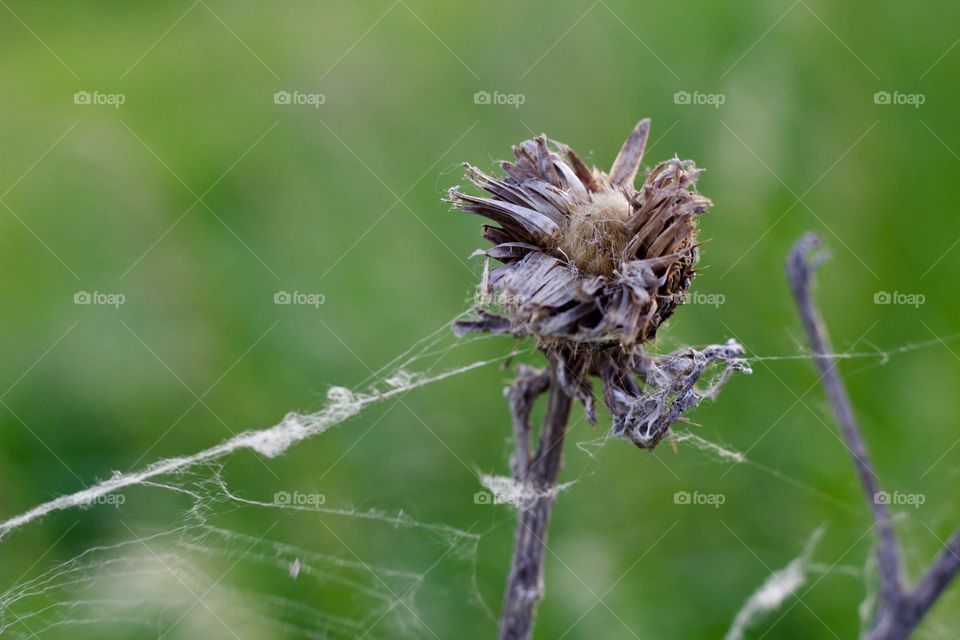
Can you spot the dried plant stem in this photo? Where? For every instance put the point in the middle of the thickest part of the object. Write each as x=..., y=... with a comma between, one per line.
x=539, y=472
x=899, y=609
x=800, y=271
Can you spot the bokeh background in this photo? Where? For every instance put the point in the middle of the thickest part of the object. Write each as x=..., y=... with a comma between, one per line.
x=201, y=196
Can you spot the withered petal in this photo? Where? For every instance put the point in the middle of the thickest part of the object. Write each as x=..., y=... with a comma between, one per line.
x=485, y=322
x=625, y=167
x=534, y=223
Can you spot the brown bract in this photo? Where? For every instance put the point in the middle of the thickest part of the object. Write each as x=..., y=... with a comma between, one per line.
x=591, y=266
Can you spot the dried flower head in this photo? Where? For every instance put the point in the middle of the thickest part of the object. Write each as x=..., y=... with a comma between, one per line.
x=591, y=266
x=587, y=257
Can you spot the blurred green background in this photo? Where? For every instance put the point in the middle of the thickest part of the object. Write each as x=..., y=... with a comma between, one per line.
x=201, y=196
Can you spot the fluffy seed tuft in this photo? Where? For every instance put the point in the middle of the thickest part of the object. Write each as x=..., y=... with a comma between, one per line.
x=595, y=235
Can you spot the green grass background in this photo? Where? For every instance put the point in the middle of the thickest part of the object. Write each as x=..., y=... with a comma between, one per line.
x=305, y=199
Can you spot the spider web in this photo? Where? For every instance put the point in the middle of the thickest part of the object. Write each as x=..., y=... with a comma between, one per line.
x=174, y=578
x=170, y=575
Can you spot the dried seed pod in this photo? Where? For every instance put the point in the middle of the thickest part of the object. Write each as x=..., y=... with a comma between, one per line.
x=591, y=265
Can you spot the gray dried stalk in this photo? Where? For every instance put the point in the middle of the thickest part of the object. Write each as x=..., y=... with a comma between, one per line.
x=900, y=608
x=591, y=267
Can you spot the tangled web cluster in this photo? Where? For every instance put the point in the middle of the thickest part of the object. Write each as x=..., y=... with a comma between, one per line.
x=670, y=390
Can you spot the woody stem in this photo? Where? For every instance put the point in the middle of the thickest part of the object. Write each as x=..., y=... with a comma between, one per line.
x=539, y=473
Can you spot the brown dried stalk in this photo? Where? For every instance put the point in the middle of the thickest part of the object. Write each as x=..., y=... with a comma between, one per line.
x=899, y=608
x=539, y=472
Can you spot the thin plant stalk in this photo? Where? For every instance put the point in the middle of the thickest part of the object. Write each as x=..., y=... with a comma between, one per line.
x=539, y=473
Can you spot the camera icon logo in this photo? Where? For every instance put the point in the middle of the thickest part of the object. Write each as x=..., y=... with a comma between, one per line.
x=281, y=497
x=881, y=497
x=882, y=97
x=482, y=497
x=282, y=297
x=482, y=97
x=882, y=297
x=82, y=297
x=681, y=97
x=681, y=497
x=282, y=97
x=81, y=97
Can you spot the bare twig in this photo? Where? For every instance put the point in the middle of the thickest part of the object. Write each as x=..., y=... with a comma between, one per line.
x=900, y=609
x=525, y=582
x=800, y=269
x=530, y=384
x=937, y=577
